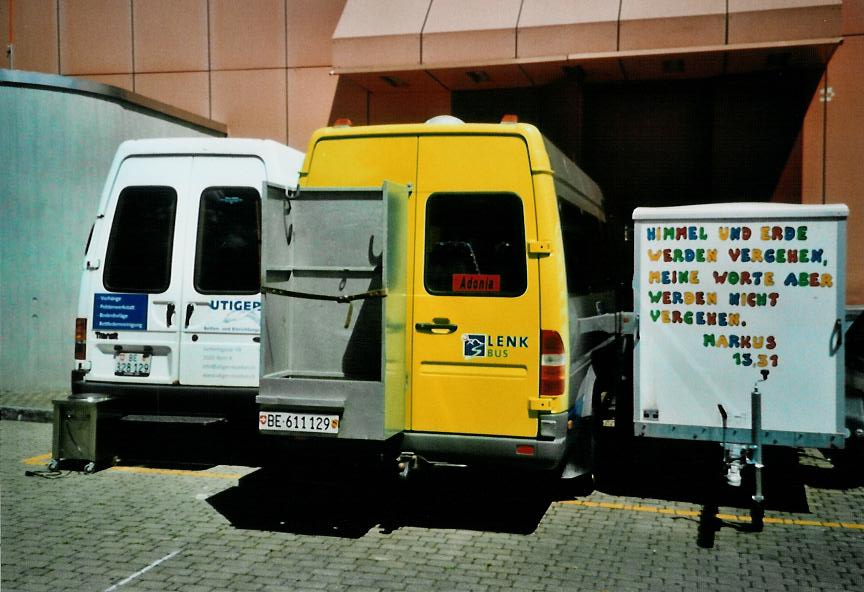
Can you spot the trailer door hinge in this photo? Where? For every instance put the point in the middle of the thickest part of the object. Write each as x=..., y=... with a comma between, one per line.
x=539, y=248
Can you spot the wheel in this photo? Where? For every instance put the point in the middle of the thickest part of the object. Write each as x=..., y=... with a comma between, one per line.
x=54, y=465
x=90, y=468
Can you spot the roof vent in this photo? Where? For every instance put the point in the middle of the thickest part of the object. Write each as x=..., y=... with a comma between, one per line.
x=444, y=120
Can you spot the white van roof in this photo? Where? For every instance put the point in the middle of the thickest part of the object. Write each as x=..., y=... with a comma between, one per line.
x=281, y=162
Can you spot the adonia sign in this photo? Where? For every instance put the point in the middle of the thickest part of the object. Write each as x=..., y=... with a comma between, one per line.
x=725, y=291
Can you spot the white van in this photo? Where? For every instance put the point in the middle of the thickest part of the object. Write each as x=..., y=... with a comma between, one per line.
x=169, y=308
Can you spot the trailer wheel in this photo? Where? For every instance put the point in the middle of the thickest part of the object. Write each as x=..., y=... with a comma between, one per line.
x=90, y=468
x=54, y=465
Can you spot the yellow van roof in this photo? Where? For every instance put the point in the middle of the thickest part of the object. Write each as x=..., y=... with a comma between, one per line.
x=572, y=183
x=532, y=136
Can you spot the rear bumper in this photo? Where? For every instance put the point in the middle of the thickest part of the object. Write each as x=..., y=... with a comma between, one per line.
x=230, y=403
x=548, y=452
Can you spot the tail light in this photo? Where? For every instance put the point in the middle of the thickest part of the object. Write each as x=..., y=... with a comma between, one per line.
x=552, y=364
x=80, y=339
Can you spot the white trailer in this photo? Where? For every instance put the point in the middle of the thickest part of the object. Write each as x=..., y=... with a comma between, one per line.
x=741, y=313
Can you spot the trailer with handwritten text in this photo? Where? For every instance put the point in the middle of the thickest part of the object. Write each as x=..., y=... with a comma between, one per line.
x=741, y=321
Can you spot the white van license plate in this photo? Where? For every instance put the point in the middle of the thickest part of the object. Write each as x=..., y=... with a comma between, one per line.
x=298, y=422
x=131, y=364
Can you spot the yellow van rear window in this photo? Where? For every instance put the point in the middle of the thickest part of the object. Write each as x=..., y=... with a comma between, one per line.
x=475, y=245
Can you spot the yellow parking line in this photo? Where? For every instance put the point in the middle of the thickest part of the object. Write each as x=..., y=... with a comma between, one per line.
x=176, y=472
x=37, y=460
x=726, y=517
x=44, y=458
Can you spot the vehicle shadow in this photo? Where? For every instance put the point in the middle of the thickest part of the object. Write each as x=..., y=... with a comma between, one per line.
x=349, y=505
x=693, y=472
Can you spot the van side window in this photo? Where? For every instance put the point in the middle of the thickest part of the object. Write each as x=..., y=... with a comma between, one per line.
x=228, y=253
x=475, y=245
x=138, y=258
x=585, y=250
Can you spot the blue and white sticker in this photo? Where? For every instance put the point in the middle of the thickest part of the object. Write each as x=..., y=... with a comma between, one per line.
x=474, y=345
x=120, y=312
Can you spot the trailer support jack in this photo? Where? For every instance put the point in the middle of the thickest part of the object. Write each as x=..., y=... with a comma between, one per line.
x=757, y=514
x=736, y=456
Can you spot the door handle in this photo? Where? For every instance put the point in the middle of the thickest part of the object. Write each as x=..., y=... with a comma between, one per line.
x=190, y=308
x=169, y=313
x=436, y=328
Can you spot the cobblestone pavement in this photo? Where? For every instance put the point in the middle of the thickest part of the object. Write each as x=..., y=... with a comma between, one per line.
x=228, y=528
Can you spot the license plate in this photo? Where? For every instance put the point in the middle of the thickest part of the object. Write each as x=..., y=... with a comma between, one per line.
x=131, y=364
x=298, y=422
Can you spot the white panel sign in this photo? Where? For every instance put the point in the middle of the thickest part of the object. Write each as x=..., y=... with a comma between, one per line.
x=724, y=292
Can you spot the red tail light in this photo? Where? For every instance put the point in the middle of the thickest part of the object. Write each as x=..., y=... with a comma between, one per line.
x=553, y=364
x=80, y=339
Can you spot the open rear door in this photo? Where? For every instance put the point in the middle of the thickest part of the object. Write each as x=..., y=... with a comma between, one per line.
x=333, y=331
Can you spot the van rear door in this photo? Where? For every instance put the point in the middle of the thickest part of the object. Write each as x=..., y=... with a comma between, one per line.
x=476, y=296
x=219, y=313
x=136, y=277
x=178, y=299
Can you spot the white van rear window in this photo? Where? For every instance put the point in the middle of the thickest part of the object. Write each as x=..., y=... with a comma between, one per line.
x=475, y=245
x=228, y=253
x=138, y=258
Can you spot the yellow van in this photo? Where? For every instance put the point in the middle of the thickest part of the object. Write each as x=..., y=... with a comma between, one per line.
x=501, y=243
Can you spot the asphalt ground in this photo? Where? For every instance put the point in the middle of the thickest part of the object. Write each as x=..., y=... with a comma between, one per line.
x=237, y=528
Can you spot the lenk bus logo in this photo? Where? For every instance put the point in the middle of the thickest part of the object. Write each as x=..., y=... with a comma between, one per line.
x=473, y=345
x=480, y=345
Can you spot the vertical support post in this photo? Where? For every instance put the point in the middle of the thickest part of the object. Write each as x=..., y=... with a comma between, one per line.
x=757, y=512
